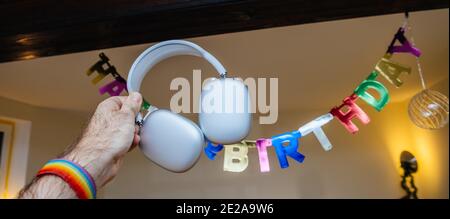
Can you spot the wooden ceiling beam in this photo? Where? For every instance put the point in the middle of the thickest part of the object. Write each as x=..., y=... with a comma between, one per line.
x=40, y=28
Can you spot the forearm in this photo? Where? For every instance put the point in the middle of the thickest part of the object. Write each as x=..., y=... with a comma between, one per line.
x=52, y=186
x=48, y=186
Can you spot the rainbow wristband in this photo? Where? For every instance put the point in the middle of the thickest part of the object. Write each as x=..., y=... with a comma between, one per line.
x=76, y=176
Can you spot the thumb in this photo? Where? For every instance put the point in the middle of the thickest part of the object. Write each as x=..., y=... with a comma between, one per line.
x=132, y=104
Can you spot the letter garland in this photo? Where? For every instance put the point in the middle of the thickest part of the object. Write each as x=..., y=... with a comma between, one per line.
x=287, y=144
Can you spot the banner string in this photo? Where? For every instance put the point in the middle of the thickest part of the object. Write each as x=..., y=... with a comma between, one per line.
x=408, y=27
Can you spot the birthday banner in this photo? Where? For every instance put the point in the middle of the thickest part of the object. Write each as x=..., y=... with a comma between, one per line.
x=287, y=144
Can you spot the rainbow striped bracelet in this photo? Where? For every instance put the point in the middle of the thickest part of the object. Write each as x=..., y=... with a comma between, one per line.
x=76, y=176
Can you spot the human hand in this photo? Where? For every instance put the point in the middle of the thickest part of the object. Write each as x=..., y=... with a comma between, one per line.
x=110, y=134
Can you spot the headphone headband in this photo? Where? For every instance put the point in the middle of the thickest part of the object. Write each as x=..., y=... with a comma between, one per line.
x=160, y=51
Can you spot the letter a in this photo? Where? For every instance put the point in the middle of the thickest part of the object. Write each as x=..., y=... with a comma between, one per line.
x=391, y=70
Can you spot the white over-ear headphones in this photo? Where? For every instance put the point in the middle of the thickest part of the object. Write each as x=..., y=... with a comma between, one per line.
x=174, y=142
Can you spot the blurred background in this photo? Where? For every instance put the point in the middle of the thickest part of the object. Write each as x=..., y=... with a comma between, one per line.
x=317, y=65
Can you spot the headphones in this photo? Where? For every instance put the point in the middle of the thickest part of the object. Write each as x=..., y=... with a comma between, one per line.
x=173, y=141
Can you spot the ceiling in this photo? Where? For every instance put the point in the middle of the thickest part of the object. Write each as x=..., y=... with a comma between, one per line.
x=317, y=64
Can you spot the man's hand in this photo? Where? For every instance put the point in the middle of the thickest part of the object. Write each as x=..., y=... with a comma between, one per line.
x=110, y=134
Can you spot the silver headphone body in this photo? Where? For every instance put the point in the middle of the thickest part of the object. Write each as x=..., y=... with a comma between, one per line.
x=172, y=141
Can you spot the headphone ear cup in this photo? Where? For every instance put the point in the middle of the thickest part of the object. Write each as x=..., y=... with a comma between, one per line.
x=228, y=121
x=171, y=141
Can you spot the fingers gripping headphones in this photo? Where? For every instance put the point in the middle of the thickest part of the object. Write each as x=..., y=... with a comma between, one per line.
x=174, y=142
